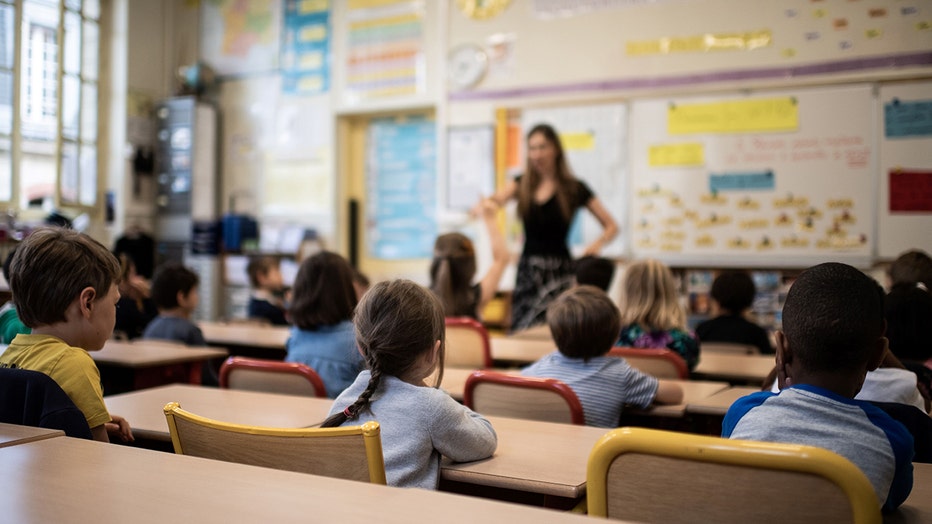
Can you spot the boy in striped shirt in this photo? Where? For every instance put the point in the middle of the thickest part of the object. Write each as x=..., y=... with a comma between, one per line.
x=585, y=325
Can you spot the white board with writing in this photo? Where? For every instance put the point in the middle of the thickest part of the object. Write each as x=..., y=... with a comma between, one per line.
x=764, y=179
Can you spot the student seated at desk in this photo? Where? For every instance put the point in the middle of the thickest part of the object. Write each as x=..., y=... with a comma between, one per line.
x=265, y=301
x=322, y=311
x=65, y=287
x=733, y=293
x=651, y=314
x=174, y=291
x=585, y=324
x=832, y=336
x=135, y=309
x=400, y=331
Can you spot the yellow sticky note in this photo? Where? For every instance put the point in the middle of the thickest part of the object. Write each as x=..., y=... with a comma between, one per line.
x=738, y=116
x=313, y=33
x=578, y=141
x=313, y=6
x=689, y=154
x=312, y=60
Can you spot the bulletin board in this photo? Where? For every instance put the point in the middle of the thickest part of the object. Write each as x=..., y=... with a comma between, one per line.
x=770, y=178
x=905, y=174
x=594, y=138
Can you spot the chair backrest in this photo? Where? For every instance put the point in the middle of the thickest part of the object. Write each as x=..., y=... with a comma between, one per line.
x=731, y=348
x=31, y=398
x=649, y=475
x=467, y=344
x=351, y=452
x=661, y=363
x=500, y=394
x=271, y=376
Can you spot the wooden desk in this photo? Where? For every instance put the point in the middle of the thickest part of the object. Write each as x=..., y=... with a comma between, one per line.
x=918, y=507
x=693, y=391
x=248, y=339
x=127, y=366
x=541, y=332
x=520, y=351
x=143, y=409
x=143, y=486
x=533, y=457
x=536, y=457
x=13, y=434
x=718, y=404
x=744, y=369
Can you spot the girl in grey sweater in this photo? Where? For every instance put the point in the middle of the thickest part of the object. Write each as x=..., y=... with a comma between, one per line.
x=400, y=333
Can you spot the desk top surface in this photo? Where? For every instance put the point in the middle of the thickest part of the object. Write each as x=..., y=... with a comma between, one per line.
x=742, y=368
x=517, y=463
x=718, y=403
x=139, y=485
x=143, y=409
x=147, y=353
x=13, y=434
x=245, y=334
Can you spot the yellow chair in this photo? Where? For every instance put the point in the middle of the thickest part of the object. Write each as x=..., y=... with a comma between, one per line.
x=659, y=476
x=467, y=344
x=271, y=376
x=504, y=395
x=353, y=452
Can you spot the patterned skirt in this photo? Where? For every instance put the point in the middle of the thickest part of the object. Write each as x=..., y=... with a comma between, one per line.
x=541, y=278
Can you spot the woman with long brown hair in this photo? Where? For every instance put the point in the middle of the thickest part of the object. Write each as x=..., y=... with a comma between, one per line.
x=548, y=196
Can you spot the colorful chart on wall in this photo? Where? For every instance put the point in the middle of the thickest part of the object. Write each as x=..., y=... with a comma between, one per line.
x=905, y=201
x=401, y=185
x=594, y=138
x=240, y=38
x=769, y=179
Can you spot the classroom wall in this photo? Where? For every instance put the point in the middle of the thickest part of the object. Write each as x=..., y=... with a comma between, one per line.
x=542, y=59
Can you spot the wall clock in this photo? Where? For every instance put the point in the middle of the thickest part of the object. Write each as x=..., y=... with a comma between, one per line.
x=467, y=66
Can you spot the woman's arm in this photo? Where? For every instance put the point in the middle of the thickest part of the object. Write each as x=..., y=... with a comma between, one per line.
x=609, y=226
x=489, y=284
x=506, y=193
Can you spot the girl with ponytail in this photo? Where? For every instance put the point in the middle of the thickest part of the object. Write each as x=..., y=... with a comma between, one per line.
x=400, y=333
x=454, y=266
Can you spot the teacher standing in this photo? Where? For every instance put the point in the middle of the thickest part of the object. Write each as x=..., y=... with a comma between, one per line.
x=548, y=196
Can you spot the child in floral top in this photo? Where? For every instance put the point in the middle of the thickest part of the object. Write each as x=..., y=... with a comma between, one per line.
x=651, y=315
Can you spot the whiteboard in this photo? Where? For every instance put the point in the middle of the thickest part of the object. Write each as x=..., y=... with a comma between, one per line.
x=594, y=140
x=764, y=179
x=905, y=153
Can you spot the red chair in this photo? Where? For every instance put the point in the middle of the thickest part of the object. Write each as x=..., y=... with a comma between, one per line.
x=661, y=363
x=271, y=376
x=467, y=344
x=501, y=394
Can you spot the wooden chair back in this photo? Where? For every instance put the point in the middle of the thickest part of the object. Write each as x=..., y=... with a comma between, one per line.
x=731, y=348
x=271, y=376
x=544, y=399
x=661, y=363
x=467, y=344
x=649, y=475
x=351, y=452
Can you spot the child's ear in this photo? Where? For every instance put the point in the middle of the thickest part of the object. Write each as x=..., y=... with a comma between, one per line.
x=434, y=356
x=86, y=300
x=877, y=353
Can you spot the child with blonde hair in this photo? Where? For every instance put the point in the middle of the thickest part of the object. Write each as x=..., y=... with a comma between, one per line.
x=651, y=314
x=400, y=333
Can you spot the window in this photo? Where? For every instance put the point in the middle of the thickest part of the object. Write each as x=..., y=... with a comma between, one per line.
x=48, y=102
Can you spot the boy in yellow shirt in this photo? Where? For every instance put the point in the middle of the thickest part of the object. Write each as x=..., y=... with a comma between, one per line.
x=64, y=287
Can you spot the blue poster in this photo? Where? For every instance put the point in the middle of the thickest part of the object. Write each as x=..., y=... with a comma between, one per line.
x=904, y=119
x=305, y=59
x=741, y=181
x=401, y=188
